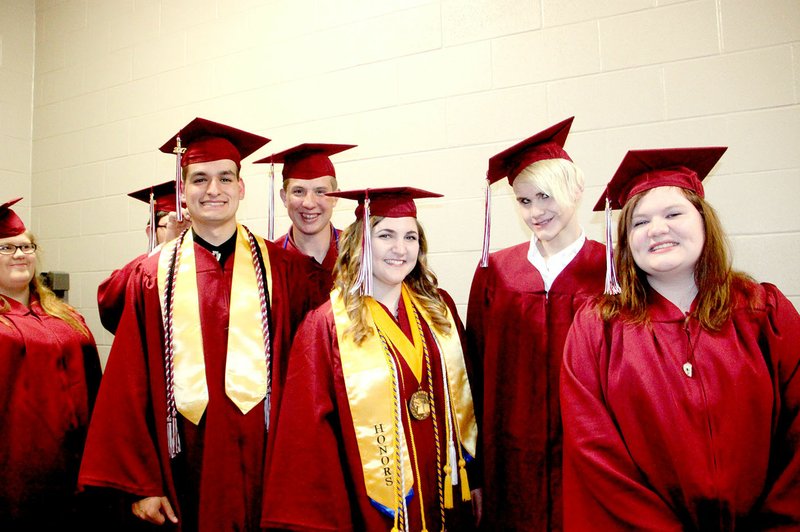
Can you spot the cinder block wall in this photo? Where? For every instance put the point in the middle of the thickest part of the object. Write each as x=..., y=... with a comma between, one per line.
x=16, y=102
x=428, y=90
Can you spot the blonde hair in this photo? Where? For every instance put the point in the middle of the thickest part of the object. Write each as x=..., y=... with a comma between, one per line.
x=559, y=178
x=421, y=281
x=51, y=304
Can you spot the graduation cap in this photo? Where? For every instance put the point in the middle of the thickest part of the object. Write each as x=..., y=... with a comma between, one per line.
x=391, y=202
x=546, y=144
x=643, y=170
x=202, y=141
x=307, y=161
x=161, y=197
x=304, y=161
x=10, y=223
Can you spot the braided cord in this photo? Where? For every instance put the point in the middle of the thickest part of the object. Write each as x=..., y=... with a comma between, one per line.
x=399, y=513
x=436, y=437
x=173, y=438
x=262, y=298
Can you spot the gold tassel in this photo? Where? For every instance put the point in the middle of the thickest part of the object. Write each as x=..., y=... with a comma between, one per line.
x=462, y=472
x=448, y=486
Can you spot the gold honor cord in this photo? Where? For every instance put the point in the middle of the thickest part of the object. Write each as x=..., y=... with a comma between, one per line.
x=246, y=368
x=379, y=435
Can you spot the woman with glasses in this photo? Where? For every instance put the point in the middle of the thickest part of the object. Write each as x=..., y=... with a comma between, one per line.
x=49, y=375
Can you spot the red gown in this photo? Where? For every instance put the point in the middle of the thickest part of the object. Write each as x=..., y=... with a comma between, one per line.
x=321, y=274
x=216, y=481
x=315, y=480
x=516, y=333
x=49, y=375
x=648, y=447
x=111, y=294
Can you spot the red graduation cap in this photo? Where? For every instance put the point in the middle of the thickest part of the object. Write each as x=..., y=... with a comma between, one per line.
x=391, y=202
x=10, y=223
x=643, y=170
x=163, y=196
x=307, y=161
x=204, y=141
x=546, y=144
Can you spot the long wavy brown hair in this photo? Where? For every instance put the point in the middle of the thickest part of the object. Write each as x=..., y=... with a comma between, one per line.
x=50, y=302
x=421, y=281
x=713, y=273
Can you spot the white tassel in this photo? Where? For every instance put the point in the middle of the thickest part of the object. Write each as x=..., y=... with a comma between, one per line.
x=487, y=224
x=612, y=284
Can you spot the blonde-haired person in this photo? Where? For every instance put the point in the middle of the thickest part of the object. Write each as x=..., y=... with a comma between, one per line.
x=49, y=376
x=680, y=394
x=377, y=397
x=521, y=304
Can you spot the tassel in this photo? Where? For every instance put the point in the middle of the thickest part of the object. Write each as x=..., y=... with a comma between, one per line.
x=271, y=223
x=487, y=200
x=178, y=150
x=266, y=411
x=462, y=472
x=151, y=239
x=448, y=486
x=173, y=438
x=612, y=284
x=364, y=281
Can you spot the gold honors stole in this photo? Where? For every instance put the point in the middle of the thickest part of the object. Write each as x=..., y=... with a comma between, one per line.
x=246, y=366
x=377, y=407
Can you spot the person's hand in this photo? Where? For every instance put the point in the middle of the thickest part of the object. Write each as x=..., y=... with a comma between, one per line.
x=477, y=505
x=154, y=510
x=174, y=227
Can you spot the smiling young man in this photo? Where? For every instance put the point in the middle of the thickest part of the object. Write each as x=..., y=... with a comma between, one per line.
x=191, y=382
x=308, y=175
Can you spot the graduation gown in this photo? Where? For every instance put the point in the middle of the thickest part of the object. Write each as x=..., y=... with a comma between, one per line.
x=321, y=273
x=111, y=294
x=516, y=333
x=647, y=446
x=315, y=480
x=215, y=483
x=49, y=375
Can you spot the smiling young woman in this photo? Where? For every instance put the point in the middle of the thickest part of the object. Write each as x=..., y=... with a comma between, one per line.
x=49, y=377
x=378, y=382
x=680, y=394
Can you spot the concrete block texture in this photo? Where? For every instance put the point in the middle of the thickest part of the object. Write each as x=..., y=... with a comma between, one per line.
x=428, y=89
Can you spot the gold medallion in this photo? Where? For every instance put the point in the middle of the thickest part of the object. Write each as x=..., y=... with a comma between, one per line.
x=420, y=405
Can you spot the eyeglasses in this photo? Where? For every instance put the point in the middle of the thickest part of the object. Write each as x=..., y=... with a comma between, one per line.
x=10, y=249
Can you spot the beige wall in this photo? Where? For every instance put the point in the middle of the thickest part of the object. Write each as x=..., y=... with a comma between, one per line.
x=428, y=89
x=16, y=100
